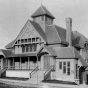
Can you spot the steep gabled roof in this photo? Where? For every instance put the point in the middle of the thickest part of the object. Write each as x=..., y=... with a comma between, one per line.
x=79, y=39
x=42, y=11
x=10, y=44
x=37, y=28
x=50, y=50
x=62, y=33
x=56, y=34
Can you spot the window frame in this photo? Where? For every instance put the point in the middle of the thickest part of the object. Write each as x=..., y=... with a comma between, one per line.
x=60, y=65
x=68, y=68
x=64, y=68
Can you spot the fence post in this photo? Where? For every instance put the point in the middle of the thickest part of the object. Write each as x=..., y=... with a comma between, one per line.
x=37, y=79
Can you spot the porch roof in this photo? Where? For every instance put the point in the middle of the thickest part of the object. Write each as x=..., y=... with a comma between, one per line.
x=69, y=53
x=23, y=55
x=5, y=53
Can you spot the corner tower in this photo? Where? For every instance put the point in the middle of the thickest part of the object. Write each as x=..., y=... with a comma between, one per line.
x=43, y=17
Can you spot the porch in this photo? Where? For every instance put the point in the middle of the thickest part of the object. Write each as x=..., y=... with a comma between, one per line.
x=22, y=63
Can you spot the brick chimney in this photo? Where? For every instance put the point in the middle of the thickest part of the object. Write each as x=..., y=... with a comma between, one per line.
x=68, y=30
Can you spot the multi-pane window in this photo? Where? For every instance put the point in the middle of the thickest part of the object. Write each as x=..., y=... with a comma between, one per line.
x=68, y=68
x=29, y=40
x=23, y=48
x=25, y=40
x=31, y=48
x=33, y=39
x=35, y=47
x=27, y=48
x=64, y=67
x=60, y=65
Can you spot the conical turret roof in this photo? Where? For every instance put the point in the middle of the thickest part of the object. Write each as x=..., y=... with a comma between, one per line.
x=42, y=11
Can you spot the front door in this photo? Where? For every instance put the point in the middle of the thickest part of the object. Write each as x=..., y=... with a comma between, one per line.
x=46, y=62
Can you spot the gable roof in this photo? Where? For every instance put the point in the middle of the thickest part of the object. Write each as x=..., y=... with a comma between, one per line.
x=50, y=50
x=65, y=53
x=10, y=44
x=37, y=28
x=42, y=11
x=79, y=39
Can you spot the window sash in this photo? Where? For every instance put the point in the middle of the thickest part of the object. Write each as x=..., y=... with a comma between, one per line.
x=60, y=65
x=68, y=68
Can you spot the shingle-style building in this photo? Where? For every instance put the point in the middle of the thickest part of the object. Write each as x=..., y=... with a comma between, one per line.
x=42, y=49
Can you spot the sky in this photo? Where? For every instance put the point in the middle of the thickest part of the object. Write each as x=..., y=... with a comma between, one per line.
x=15, y=13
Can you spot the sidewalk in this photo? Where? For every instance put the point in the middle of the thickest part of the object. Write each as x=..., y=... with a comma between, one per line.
x=41, y=84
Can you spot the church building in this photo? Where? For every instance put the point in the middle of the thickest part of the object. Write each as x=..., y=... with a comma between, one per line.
x=47, y=51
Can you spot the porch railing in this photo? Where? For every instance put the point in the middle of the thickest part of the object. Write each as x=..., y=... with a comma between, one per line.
x=35, y=70
x=48, y=72
x=20, y=68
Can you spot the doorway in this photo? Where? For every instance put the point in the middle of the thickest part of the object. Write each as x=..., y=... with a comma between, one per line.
x=87, y=79
x=46, y=62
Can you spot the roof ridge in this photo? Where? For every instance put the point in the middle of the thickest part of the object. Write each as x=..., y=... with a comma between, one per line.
x=43, y=8
x=60, y=26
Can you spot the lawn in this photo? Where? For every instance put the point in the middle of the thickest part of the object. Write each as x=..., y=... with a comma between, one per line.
x=2, y=85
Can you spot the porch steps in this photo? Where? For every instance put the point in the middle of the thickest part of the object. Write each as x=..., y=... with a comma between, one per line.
x=37, y=77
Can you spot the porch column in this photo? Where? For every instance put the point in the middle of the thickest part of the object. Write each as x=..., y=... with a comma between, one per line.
x=8, y=64
x=28, y=62
x=1, y=63
x=37, y=60
x=20, y=62
x=13, y=63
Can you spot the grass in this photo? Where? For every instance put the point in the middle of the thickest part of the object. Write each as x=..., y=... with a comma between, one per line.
x=15, y=78
x=2, y=85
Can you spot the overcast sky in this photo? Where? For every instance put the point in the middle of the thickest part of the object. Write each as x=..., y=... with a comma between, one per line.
x=15, y=13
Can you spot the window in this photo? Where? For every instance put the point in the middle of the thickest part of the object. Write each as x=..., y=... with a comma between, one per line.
x=35, y=47
x=31, y=48
x=76, y=70
x=29, y=40
x=60, y=65
x=42, y=18
x=18, y=41
x=68, y=68
x=27, y=48
x=25, y=40
x=23, y=48
x=33, y=39
x=64, y=67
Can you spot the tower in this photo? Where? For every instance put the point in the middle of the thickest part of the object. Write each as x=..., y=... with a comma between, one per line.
x=43, y=17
